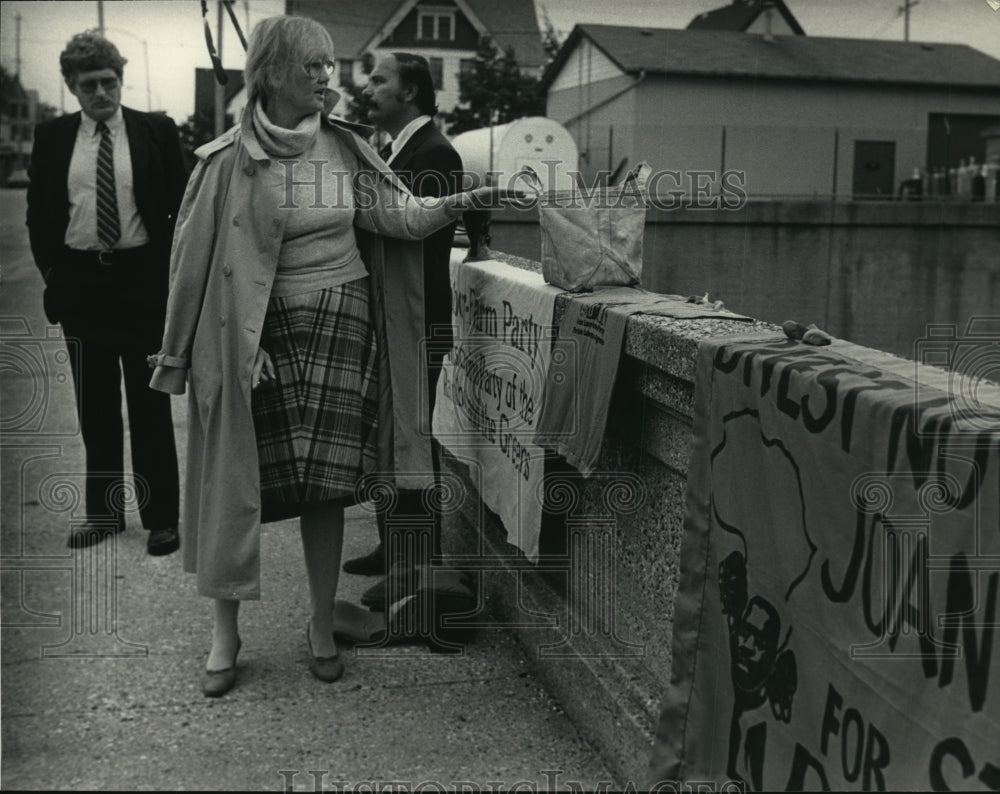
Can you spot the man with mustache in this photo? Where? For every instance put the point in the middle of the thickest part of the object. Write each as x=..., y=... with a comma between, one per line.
x=401, y=102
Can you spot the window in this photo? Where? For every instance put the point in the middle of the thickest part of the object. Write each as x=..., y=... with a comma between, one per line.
x=346, y=67
x=437, y=71
x=436, y=24
x=444, y=28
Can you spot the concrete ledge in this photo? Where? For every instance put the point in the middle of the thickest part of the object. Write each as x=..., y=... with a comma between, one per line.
x=596, y=614
x=806, y=212
x=873, y=272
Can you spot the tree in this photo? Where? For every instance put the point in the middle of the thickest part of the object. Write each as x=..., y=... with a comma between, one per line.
x=10, y=89
x=196, y=131
x=494, y=91
x=551, y=42
x=358, y=103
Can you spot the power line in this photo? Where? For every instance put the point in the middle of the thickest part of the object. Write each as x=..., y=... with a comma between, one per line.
x=901, y=11
x=883, y=28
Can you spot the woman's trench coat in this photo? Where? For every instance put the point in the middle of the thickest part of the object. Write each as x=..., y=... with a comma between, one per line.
x=223, y=263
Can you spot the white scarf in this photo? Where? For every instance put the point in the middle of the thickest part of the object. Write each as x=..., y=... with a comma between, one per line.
x=280, y=141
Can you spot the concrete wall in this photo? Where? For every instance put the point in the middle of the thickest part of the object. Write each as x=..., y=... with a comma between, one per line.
x=873, y=272
x=596, y=613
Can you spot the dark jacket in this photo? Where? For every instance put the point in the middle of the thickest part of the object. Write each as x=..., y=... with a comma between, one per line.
x=429, y=166
x=158, y=172
x=125, y=303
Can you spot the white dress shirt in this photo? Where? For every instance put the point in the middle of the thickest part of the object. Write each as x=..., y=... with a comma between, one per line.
x=81, y=234
x=405, y=134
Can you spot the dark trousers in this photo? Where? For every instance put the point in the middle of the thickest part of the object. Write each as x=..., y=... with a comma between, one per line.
x=410, y=531
x=115, y=315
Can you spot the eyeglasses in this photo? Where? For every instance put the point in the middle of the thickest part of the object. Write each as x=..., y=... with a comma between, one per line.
x=109, y=84
x=316, y=69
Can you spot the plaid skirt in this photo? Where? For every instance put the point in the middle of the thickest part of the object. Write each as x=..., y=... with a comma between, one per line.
x=316, y=422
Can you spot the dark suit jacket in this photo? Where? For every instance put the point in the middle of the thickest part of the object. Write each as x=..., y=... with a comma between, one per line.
x=159, y=176
x=429, y=165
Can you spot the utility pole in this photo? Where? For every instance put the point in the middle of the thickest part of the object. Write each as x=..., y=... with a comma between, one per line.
x=100, y=16
x=220, y=90
x=17, y=50
x=17, y=76
x=149, y=93
x=907, y=5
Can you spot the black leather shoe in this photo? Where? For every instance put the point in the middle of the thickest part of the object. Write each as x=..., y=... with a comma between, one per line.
x=326, y=668
x=91, y=533
x=217, y=682
x=163, y=541
x=371, y=564
x=400, y=583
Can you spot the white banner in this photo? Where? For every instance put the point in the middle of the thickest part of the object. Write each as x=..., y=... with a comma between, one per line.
x=492, y=385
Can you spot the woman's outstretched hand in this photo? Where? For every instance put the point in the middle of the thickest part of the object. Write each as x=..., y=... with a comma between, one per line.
x=487, y=198
x=263, y=368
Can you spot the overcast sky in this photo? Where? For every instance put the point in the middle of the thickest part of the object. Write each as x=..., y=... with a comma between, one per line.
x=174, y=39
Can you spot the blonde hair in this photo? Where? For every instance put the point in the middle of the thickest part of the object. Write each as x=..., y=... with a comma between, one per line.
x=277, y=42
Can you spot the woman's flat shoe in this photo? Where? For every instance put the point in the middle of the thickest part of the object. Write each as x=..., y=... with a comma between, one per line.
x=325, y=668
x=217, y=682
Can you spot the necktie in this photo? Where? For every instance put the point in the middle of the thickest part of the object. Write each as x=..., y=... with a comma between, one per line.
x=108, y=224
x=386, y=152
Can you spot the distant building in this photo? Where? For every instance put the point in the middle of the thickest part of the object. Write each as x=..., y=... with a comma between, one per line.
x=991, y=137
x=446, y=32
x=204, y=99
x=800, y=115
x=20, y=111
x=750, y=16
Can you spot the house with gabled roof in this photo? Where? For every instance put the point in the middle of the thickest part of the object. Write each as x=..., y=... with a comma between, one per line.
x=768, y=17
x=798, y=115
x=20, y=111
x=446, y=32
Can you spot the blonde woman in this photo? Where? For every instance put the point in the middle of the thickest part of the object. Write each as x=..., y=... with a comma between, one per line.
x=294, y=319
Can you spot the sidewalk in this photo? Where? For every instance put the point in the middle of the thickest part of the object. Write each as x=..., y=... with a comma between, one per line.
x=399, y=714
x=132, y=715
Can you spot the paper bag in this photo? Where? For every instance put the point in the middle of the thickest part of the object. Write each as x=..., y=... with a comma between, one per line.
x=592, y=238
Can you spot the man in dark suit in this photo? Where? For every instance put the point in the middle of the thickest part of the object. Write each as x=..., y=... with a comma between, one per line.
x=401, y=100
x=105, y=187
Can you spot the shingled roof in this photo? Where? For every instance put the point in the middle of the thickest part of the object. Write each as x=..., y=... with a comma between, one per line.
x=353, y=23
x=724, y=53
x=741, y=14
x=513, y=23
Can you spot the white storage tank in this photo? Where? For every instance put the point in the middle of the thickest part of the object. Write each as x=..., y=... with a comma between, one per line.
x=536, y=142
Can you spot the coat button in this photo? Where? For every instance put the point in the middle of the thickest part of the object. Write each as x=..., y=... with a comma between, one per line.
x=236, y=221
x=248, y=170
x=227, y=270
x=222, y=319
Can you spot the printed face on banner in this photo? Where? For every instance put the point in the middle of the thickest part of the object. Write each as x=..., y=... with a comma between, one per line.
x=853, y=532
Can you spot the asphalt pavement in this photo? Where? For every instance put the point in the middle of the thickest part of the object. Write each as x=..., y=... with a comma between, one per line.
x=102, y=649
